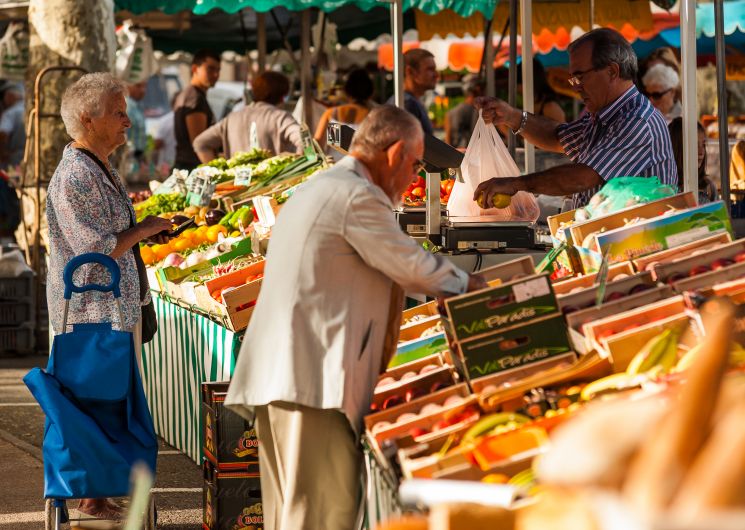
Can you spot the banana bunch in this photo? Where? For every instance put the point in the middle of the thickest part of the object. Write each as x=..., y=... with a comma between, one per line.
x=613, y=383
x=490, y=422
x=737, y=356
x=659, y=354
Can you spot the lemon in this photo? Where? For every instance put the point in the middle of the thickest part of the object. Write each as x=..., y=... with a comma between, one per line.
x=501, y=200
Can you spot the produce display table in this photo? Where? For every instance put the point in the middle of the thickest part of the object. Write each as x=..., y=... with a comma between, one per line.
x=188, y=350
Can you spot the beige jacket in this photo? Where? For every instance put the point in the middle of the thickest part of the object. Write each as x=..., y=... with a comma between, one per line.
x=318, y=333
x=275, y=130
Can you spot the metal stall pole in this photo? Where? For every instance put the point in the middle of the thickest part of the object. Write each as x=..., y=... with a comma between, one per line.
x=526, y=21
x=305, y=80
x=489, y=57
x=722, y=100
x=397, y=30
x=690, y=111
x=261, y=40
x=512, y=79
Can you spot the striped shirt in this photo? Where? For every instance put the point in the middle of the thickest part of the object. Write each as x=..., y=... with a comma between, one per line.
x=628, y=138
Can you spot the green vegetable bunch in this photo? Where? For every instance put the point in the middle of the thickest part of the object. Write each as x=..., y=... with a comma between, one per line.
x=163, y=203
x=250, y=157
x=271, y=167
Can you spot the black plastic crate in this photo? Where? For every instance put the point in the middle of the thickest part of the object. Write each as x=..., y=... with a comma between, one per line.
x=16, y=313
x=229, y=441
x=231, y=500
x=17, y=339
x=18, y=287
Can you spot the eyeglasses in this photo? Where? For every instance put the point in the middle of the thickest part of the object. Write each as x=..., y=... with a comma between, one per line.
x=658, y=95
x=576, y=78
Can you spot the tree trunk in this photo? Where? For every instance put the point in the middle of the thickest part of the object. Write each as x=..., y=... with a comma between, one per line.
x=62, y=33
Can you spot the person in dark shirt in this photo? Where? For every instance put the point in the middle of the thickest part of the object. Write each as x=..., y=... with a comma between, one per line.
x=420, y=75
x=192, y=114
x=461, y=120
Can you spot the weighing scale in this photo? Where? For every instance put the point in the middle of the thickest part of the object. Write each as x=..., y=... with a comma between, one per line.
x=431, y=222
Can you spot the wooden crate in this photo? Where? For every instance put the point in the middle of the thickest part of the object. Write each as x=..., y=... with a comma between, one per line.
x=233, y=308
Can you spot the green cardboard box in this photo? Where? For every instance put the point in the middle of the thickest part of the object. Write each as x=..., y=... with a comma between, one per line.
x=516, y=346
x=176, y=274
x=502, y=306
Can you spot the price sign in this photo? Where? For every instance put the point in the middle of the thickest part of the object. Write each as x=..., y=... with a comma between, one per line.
x=243, y=175
x=308, y=149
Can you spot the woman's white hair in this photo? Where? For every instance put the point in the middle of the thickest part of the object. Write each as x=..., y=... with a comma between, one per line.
x=88, y=95
x=663, y=75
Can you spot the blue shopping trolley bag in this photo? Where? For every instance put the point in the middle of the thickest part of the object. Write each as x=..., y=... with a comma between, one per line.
x=97, y=421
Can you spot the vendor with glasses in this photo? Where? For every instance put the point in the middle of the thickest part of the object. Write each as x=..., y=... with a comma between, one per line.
x=661, y=84
x=621, y=134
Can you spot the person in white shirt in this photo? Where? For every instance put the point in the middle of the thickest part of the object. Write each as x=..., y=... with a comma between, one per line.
x=326, y=323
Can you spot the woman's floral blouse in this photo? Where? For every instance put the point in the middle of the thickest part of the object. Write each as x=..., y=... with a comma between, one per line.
x=85, y=212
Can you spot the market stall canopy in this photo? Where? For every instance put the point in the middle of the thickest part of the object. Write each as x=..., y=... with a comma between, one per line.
x=463, y=8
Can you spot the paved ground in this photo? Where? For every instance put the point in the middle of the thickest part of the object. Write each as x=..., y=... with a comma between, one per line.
x=178, y=487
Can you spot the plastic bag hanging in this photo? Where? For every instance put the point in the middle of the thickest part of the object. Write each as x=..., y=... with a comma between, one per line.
x=487, y=157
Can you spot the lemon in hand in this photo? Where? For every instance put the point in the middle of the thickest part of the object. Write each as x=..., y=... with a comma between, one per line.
x=501, y=200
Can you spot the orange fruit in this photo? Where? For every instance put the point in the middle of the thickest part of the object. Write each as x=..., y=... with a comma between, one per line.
x=161, y=251
x=214, y=231
x=182, y=244
x=148, y=256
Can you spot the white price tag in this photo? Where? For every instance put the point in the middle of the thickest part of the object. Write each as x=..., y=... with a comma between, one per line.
x=264, y=211
x=531, y=289
x=243, y=176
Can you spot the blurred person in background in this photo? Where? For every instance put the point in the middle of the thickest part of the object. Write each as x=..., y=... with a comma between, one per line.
x=12, y=130
x=664, y=55
x=707, y=191
x=545, y=100
x=359, y=90
x=164, y=140
x=260, y=124
x=661, y=83
x=461, y=119
x=192, y=114
x=420, y=75
x=136, y=134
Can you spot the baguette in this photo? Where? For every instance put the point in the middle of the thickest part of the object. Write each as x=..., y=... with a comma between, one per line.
x=659, y=467
x=716, y=480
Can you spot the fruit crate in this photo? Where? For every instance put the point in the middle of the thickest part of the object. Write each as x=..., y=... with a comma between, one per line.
x=17, y=287
x=16, y=313
x=17, y=339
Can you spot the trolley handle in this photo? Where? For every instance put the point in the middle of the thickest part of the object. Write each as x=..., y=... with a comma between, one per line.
x=84, y=259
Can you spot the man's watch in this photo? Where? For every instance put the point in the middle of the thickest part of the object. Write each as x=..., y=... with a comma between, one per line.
x=523, y=122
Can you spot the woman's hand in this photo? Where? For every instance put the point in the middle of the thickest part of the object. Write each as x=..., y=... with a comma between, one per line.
x=153, y=225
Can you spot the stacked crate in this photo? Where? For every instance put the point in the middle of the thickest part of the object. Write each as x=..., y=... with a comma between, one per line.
x=17, y=313
x=232, y=490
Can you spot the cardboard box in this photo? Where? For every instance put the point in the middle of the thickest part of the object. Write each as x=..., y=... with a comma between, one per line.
x=614, y=290
x=231, y=500
x=421, y=311
x=509, y=271
x=649, y=261
x=421, y=348
x=421, y=329
x=559, y=226
x=504, y=306
x=230, y=441
x=238, y=303
x=705, y=282
x=420, y=384
x=240, y=249
x=516, y=346
x=684, y=265
x=653, y=235
x=588, y=280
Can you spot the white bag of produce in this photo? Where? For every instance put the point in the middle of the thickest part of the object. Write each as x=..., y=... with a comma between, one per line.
x=487, y=157
x=135, y=60
x=14, y=52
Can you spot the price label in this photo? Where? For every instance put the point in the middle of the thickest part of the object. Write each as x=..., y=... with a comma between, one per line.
x=243, y=176
x=308, y=149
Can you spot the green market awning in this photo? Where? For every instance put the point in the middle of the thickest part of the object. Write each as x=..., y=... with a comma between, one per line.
x=464, y=8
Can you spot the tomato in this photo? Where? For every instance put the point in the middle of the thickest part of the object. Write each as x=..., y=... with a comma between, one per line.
x=406, y=194
x=450, y=185
x=418, y=192
x=420, y=182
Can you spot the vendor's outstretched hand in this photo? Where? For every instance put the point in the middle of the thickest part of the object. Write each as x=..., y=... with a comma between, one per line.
x=485, y=192
x=496, y=111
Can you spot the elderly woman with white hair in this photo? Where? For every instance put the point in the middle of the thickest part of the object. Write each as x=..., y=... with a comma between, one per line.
x=88, y=210
x=661, y=84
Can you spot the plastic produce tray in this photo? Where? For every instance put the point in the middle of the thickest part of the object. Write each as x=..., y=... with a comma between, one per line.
x=17, y=287
x=17, y=339
x=15, y=313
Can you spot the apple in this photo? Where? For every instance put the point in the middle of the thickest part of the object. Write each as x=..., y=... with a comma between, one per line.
x=430, y=408
x=428, y=368
x=640, y=288
x=416, y=432
x=392, y=402
x=406, y=416
x=674, y=277
x=385, y=382
x=453, y=401
x=613, y=296
x=699, y=269
x=409, y=375
x=439, y=385
x=489, y=389
x=619, y=276
x=739, y=257
x=413, y=393
x=440, y=425
x=721, y=263
x=380, y=426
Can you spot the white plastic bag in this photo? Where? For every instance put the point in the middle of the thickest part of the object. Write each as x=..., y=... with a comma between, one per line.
x=135, y=60
x=14, y=52
x=486, y=158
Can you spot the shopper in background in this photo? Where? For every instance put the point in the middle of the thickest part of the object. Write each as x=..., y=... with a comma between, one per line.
x=622, y=134
x=545, y=100
x=88, y=211
x=661, y=83
x=164, y=140
x=12, y=131
x=261, y=124
x=359, y=90
x=461, y=119
x=192, y=114
x=420, y=75
x=136, y=134
x=327, y=321
x=707, y=191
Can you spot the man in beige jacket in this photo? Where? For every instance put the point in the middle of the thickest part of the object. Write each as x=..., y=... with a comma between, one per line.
x=325, y=323
x=260, y=124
